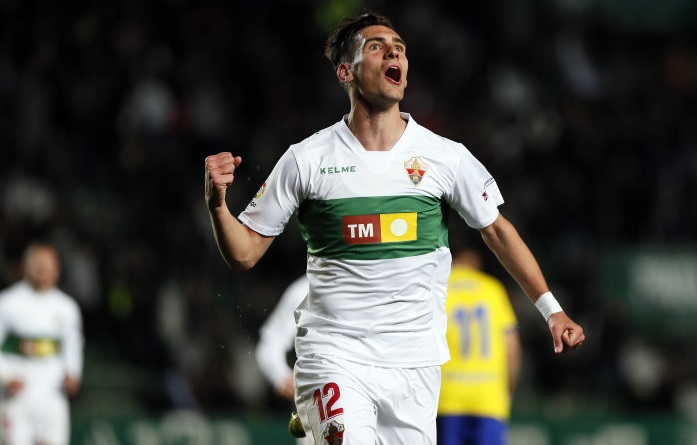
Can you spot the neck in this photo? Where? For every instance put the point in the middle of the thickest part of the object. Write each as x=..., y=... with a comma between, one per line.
x=39, y=286
x=376, y=130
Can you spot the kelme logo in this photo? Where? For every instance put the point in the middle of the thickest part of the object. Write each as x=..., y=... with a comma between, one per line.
x=335, y=170
x=383, y=228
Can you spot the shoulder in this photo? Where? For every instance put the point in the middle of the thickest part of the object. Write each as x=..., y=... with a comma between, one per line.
x=482, y=278
x=489, y=280
x=13, y=291
x=441, y=149
x=318, y=140
x=310, y=149
x=422, y=132
x=299, y=284
x=66, y=301
x=296, y=291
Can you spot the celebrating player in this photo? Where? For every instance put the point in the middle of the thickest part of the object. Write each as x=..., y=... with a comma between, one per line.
x=373, y=192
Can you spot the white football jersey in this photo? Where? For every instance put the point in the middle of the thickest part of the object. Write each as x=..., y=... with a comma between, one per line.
x=375, y=225
x=41, y=337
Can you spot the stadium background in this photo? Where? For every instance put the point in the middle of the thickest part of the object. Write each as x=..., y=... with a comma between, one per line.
x=584, y=111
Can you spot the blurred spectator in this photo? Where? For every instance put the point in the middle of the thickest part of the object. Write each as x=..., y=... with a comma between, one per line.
x=275, y=351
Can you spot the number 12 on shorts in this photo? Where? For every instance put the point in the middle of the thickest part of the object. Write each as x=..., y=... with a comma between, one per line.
x=327, y=411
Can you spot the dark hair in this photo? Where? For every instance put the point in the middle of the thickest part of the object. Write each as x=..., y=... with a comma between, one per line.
x=341, y=43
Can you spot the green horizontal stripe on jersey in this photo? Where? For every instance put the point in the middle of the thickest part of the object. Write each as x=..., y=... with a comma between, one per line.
x=320, y=223
x=30, y=347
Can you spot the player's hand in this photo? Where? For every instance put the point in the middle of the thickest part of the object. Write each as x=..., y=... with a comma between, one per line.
x=220, y=172
x=71, y=385
x=566, y=334
x=13, y=387
x=287, y=388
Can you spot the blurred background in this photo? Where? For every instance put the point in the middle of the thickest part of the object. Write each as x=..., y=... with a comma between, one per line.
x=584, y=111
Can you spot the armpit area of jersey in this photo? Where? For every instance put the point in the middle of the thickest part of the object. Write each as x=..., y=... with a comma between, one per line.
x=31, y=347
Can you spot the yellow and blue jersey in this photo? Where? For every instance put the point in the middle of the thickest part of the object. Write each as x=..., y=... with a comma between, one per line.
x=475, y=380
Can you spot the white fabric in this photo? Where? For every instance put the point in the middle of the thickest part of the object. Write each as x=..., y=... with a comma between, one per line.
x=547, y=305
x=387, y=311
x=366, y=404
x=50, y=314
x=277, y=333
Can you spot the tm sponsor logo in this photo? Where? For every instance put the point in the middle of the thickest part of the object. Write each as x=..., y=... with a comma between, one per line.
x=382, y=228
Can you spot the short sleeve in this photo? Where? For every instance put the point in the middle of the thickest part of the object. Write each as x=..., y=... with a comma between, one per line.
x=277, y=199
x=474, y=195
x=73, y=339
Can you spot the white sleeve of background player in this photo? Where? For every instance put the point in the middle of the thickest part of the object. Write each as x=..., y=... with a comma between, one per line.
x=475, y=195
x=277, y=334
x=274, y=203
x=72, y=343
x=5, y=373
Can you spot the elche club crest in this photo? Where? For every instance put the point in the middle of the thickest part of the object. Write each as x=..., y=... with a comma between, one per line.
x=416, y=169
x=334, y=433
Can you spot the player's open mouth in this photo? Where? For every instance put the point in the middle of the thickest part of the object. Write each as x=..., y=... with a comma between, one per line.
x=394, y=73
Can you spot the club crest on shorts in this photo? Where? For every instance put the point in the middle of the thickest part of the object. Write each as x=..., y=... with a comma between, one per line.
x=334, y=433
x=416, y=169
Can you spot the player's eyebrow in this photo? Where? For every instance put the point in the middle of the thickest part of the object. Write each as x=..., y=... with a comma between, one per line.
x=398, y=40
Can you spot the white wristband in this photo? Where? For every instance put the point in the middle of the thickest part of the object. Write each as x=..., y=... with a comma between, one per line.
x=547, y=305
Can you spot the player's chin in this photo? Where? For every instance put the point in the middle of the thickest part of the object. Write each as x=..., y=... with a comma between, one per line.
x=398, y=91
x=395, y=97
x=393, y=90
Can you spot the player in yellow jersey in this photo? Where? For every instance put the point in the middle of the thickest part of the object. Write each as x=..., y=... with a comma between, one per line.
x=479, y=380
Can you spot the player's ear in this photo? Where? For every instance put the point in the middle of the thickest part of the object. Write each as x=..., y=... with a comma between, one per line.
x=343, y=72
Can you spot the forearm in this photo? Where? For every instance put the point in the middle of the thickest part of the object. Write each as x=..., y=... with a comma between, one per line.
x=515, y=357
x=72, y=350
x=515, y=256
x=240, y=247
x=271, y=359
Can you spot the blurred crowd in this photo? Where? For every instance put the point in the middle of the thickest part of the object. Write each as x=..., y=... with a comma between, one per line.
x=585, y=112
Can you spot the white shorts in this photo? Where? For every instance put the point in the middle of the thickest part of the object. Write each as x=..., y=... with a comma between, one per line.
x=30, y=417
x=343, y=402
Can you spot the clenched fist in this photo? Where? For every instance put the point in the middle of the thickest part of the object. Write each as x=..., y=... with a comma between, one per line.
x=566, y=334
x=220, y=172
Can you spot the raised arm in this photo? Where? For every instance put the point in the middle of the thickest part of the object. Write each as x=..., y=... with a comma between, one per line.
x=515, y=256
x=240, y=246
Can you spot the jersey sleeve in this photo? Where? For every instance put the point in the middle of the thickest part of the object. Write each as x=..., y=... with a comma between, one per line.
x=5, y=374
x=277, y=199
x=73, y=342
x=474, y=195
x=277, y=334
